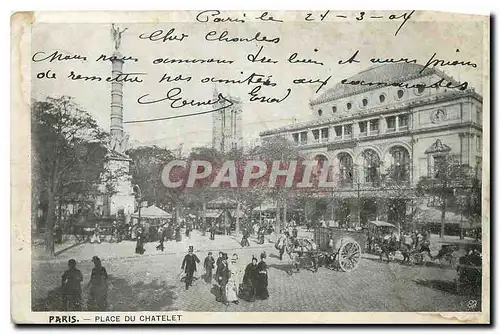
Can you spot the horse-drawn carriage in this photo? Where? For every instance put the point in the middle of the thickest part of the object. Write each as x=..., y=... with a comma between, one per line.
x=330, y=247
x=339, y=247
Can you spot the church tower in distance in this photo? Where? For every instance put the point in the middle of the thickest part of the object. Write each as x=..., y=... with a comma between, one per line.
x=227, y=132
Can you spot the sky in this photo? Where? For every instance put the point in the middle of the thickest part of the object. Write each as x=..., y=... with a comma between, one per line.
x=326, y=42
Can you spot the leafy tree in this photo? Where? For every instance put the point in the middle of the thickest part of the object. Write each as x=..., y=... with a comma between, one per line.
x=283, y=150
x=448, y=180
x=68, y=155
x=147, y=168
x=201, y=192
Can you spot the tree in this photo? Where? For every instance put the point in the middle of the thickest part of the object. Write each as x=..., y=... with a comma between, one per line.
x=147, y=168
x=201, y=192
x=283, y=150
x=448, y=179
x=147, y=162
x=68, y=153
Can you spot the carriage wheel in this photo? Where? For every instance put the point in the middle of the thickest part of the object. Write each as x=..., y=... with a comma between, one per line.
x=349, y=256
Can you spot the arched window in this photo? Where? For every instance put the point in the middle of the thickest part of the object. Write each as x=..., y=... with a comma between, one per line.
x=345, y=164
x=321, y=161
x=401, y=164
x=371, y=165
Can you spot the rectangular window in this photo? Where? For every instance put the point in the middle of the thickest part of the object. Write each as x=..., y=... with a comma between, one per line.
x=303, y=137
x=324, y=134
x=404, y=122
x=362, y=128
x=374, y=126
x=315, y=134
x=391, y=124
x=338, y=131
x=348, y=130
x=295, y=138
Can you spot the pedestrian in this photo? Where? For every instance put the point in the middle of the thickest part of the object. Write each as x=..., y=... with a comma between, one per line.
x=261, y=235
x=96, y=237
x=235, y=269
x=231, y=290
x=218, y=262
x=244, y=239
x=261, y=291
x=189, y=266
x=71, y=288
x=98, y=299
x=208, y=264
x=139, y=247
x=114, y=232
x=161, y=235
x=425, y=244
x=178, y=236
x=57, y=234
x=222, y=279
x=247, y=288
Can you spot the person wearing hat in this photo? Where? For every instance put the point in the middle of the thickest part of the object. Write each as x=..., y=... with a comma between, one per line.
x=98, y=298
x=189, y=266
x=261, y=291
x=71, y=288
x=209, y=266
x=223, y=275
x=247, y=289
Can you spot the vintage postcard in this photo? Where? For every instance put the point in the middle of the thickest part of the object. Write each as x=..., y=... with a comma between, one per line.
x=211, y=166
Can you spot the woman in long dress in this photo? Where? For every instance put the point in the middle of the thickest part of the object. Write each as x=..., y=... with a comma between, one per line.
x=261, y=291
x=98, y=299
x=234, y=280
x=249, y=281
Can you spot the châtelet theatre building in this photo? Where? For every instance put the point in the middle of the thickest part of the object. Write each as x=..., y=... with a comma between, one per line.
x=381, y=139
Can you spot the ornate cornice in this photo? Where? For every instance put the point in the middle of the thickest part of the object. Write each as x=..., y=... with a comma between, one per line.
x=370, y=113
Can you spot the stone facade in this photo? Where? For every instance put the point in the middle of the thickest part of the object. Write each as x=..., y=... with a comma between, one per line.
x=368, y=134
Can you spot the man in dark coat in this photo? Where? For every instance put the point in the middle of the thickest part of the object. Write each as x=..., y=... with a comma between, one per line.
x=189, y=266
x=139, y=247
x=223, y=275
x=212, y=232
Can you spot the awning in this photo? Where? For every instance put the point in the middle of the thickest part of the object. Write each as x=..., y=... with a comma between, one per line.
x=213, y=213
x=266, y=207
x=379, y=223
x=152, y=212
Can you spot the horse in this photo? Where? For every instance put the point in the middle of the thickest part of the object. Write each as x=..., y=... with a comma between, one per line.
x=295, y=248
x=389, y=247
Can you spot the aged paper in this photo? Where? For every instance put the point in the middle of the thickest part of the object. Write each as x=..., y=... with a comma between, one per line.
x=250, y=167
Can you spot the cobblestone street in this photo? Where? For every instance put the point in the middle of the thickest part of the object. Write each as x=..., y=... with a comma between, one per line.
x=152, y=282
